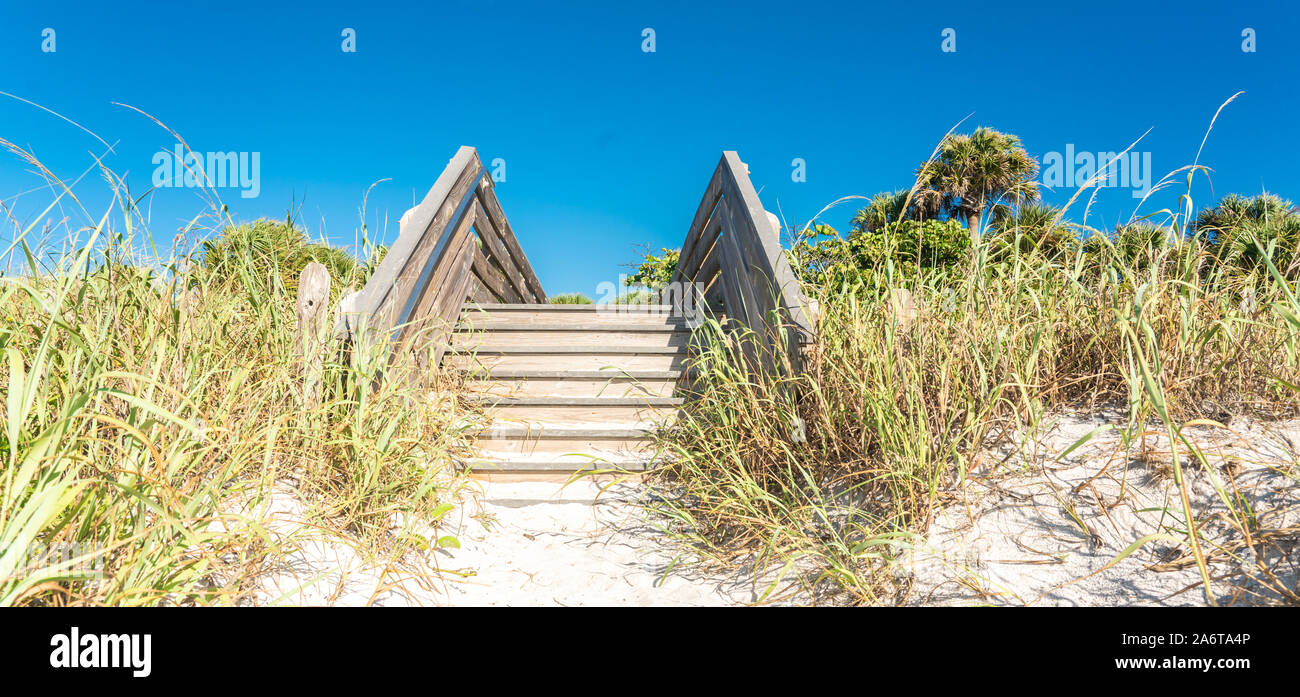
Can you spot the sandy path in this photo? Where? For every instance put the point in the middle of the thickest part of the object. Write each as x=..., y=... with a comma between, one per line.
x=1031, y=526
x=521, y=544
x=536, y=543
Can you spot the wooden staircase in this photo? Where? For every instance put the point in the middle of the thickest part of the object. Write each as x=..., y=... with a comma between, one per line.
x=570, y=387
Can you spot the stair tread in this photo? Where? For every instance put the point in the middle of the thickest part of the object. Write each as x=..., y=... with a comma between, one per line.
x=613, y=432
x=611, y=454
x=579, y=401
x=603, y=307
x=501, y=348
x=561, y=327
x=605, y=432
x=564, y=465
x=507, y=373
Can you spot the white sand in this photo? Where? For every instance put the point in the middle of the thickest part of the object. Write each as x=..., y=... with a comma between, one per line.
x=1009, y=537
x=535, y=543
x=521, y=543
x=1006, y=536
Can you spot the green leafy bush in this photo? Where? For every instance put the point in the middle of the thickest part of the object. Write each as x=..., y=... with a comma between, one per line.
x=1231, y=228
x=908, y=245
x=570, y=299
x=655, y=271
x=269, y=254
x=1032, y=228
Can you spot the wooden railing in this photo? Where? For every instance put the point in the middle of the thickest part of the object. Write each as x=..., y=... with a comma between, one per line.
x=732, y=262
x=456, y=245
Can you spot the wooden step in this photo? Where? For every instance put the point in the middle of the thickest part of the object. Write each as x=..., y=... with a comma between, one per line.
x=487, y=315
x=578, y=383
x=571, y=334
x=485, y=466
x=558, y=411
x=565, y=358
x=570, y=388
x=558, y=443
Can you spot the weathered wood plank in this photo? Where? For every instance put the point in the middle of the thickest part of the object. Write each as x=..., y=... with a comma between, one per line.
x=450, y=307
x=749, y=307
x=492, y=206
x=702, y=214
x=479, y=293
x=427, y=319
x=455, y=246
x=734, y=248
x=497, y=252
x=690, y=267
x=313, y=293
x=412, y=280
x=455, y=284
x=714, y=299
x=491, y=277
x=412, y=242
x=765, y=237
x=710, y=266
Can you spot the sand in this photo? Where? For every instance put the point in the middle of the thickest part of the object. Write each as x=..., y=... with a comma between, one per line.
x=1041, y=527
x=536, y=543
x=1030, y=526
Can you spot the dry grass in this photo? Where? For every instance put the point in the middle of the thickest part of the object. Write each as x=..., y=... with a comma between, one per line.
x=152, y=405
x=826, y=478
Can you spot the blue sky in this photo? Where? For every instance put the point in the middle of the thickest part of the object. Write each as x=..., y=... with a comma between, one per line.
x=608, y=147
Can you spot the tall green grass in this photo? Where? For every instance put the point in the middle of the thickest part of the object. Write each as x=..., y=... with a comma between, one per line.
x=151, y=407
x=828, y=476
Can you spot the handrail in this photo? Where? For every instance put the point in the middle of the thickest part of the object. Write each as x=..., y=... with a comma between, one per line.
x=732, y=258
x=455, y=245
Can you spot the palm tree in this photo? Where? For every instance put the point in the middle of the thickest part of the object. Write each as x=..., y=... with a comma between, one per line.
x=1235, y=210
x=1231, y=228
x=887, y=207
x=1036, y=226
x=972, y=172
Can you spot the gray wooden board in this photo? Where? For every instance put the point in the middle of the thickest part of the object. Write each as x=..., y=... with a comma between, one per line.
x=491, y=277
x=702, y=213
x=490, y=204
x=417, y=223
x=498, y=253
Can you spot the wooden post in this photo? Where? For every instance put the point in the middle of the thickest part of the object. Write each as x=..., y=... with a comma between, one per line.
x=313, y=294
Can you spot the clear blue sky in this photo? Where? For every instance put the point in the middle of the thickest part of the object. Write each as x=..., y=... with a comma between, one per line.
x=608, y=147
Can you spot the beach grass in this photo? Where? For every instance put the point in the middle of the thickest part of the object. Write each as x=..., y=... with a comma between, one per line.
x=152, y=405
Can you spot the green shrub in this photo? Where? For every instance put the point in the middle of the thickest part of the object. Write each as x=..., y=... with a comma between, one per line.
x=1279, y=238
x=887, y=207
x=1032, y=228
x=655, y=272
x=570, y=299
x=151, y=426
x=907, y=245
x=269, y=254
x=637, y=297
